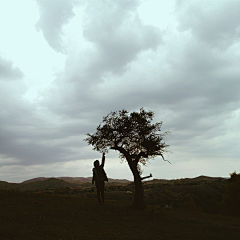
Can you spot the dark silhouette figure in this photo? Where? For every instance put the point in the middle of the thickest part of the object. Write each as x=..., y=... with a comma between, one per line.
x=99, y=176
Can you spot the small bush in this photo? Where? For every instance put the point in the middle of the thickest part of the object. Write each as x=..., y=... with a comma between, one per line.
x=232, y=198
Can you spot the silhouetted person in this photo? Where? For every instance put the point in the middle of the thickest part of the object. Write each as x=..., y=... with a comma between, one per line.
x=99, y=176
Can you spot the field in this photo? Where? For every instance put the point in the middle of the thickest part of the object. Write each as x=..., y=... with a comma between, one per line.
x=67, y=213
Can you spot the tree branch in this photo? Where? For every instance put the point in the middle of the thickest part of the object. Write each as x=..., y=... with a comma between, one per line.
x=121, y=150
x=141, y=154
x=164, y=158
x=146, y=177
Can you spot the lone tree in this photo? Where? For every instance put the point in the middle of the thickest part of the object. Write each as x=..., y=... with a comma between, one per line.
x=136, y=139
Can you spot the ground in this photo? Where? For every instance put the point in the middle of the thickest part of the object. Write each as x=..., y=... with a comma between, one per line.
x=27, y=215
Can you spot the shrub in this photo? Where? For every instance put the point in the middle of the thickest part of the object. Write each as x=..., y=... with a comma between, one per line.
x=232, y=198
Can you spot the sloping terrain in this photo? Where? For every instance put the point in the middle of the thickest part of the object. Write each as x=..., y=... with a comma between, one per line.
x=43, y=183
x=6, y=185
x=199, y=194
x=76, y=180
x=202, y=194
x=51, y=183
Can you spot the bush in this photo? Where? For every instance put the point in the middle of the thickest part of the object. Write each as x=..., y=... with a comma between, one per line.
x=232, y=198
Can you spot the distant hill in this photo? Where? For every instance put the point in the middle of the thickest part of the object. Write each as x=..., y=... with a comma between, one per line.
x=48, y=183
x=35, y=180
x=185, y=180
x=77, y=180
x=6, y=185
x=202, y=177
x=43, y=183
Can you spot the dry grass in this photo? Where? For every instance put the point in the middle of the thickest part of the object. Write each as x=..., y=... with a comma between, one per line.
x=40, y=216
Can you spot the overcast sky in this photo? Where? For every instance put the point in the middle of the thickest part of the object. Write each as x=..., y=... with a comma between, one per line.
x=64, y=64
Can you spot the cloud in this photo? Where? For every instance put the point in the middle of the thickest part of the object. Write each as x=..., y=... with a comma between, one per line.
x=119, y=35
x=31, y=135
x=8, y=71
x=53, y=16
x=187, y=73
x=216, y=22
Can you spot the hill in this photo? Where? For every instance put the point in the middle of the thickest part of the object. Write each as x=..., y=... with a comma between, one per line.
x=76, y=180
x=43, y=184
x=199, y=194
x=6, y=185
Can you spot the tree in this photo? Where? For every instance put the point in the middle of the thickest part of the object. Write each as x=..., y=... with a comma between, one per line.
x=137, y=140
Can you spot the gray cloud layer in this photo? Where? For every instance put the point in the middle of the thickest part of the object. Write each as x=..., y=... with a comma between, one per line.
x=216, y=24
x=118, y=33
x=53, y=16
x=188, y=75
x=8, y=72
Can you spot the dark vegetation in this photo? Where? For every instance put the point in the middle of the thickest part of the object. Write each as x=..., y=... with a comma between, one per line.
x=175, y=209
x=201, y=194
x=231, y=200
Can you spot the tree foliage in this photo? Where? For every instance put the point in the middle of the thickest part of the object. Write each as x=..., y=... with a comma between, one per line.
x=132, y=134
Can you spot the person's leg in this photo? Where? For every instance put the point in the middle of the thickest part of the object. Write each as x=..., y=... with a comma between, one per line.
x=98, y=192
x=98, y=195
x=102, y=191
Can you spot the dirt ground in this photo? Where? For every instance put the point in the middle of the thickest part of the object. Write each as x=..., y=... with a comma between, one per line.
x=43, y=216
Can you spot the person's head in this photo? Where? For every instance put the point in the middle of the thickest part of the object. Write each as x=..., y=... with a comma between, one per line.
x=96, y=163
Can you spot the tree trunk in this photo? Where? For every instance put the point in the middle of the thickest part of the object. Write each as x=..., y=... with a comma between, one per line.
x=138, y=203
x=138, y=198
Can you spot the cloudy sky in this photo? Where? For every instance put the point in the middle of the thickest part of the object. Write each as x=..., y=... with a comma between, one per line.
x=64, y=64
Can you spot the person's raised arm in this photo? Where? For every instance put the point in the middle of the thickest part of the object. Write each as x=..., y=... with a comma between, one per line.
x=103, y=159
